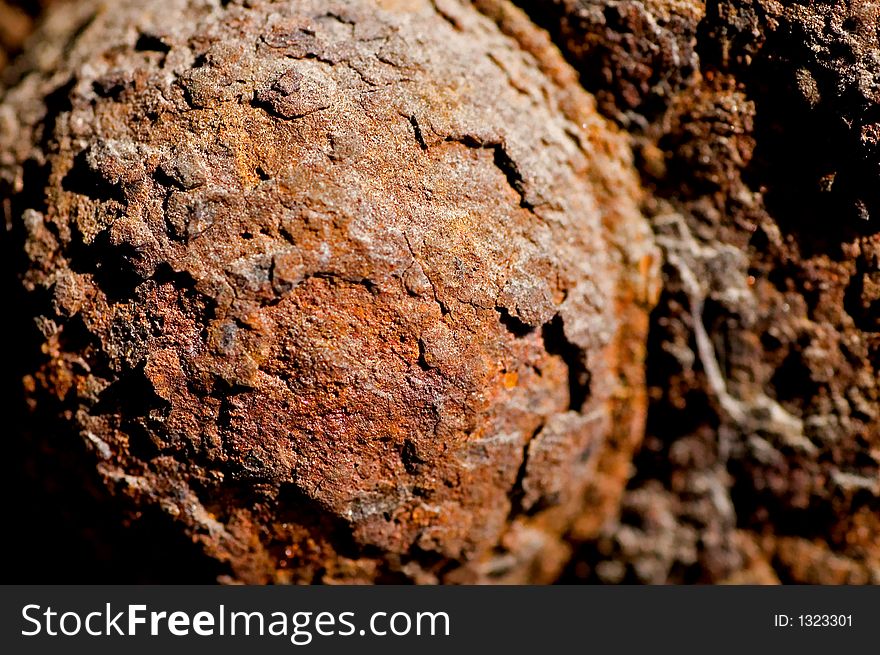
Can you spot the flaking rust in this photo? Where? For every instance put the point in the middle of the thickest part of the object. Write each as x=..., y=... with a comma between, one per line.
x=351, y=293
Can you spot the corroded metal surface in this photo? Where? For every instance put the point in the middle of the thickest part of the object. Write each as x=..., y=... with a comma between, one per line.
x=351, y=294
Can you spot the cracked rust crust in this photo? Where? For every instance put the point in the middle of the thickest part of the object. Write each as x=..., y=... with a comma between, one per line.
x=350, y=294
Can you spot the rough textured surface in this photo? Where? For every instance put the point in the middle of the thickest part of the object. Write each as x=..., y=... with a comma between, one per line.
x=755, y=129
x=349, y=294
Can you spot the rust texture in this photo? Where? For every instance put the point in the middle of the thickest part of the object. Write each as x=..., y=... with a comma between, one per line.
x=755, y=129
x=360, y=291
x=348, y=291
